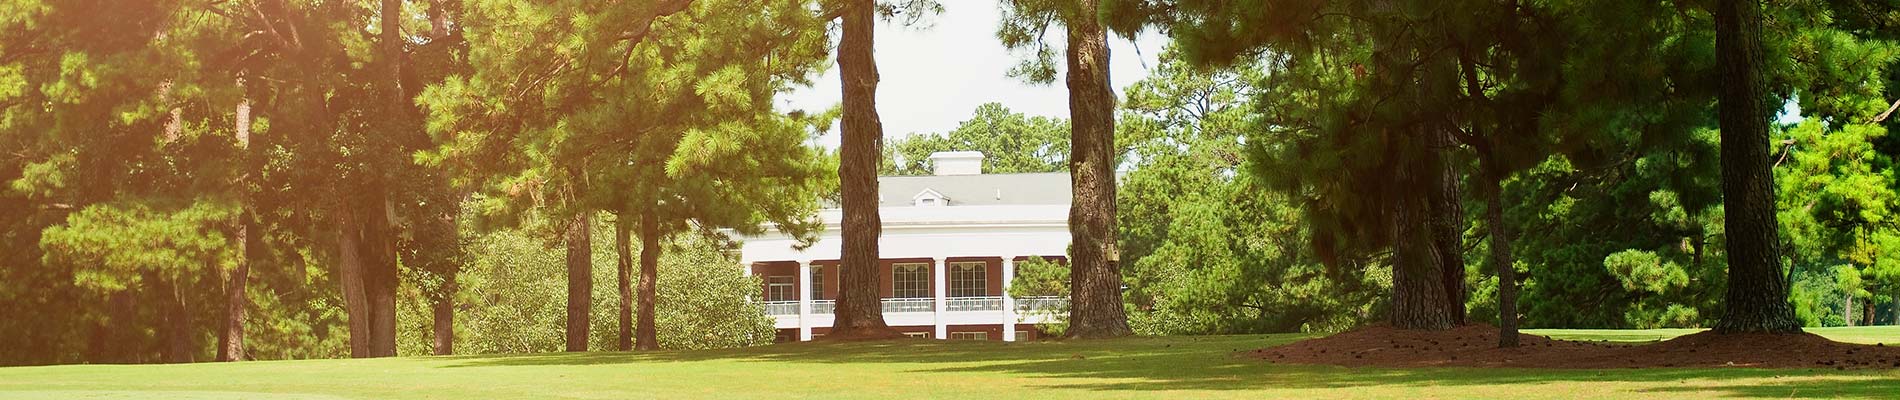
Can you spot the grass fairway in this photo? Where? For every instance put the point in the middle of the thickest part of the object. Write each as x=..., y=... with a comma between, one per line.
x=1156, y=368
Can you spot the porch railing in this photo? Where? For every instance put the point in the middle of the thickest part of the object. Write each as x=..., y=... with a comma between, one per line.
x=781, y=308
x=917, y=304
x=973, y=304
x=926, y=304
x=1042, y=304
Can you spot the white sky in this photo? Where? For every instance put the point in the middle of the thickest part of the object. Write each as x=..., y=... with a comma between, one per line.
x=935, y=76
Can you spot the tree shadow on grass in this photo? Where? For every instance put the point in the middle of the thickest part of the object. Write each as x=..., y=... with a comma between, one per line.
x=1211, y=363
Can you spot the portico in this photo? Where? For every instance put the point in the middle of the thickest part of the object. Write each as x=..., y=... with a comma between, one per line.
x=950, y=247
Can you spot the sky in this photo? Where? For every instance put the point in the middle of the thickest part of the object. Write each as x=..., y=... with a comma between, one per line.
x=934, y=76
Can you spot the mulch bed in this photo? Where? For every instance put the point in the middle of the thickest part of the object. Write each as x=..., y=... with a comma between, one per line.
x=1476, y=346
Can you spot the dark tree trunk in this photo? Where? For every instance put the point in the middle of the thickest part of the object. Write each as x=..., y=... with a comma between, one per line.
x=860, y=310
x=231, y=338
x=623, y=263
x=1421, y=297
x=580, y=280
x=1757, y=299
x=1418, y=290
x=444, y=314
x=1095, y=279
x=1448, y=227
x=350, y=271
x=1847, y=310
x=179, y=346
x=379, y=244
x=1501, y=259
x=648, y=335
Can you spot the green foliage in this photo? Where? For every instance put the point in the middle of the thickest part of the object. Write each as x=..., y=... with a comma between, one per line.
x=1038, y=277
x=514, y=285
x=1011, y=143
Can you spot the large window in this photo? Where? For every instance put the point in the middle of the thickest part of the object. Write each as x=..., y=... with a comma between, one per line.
x=969, y=336
x=910, y=281
x=969, y=279
x=779, y=288
x=817, y=282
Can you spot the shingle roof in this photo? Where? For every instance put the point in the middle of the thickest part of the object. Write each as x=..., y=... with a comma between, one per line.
x=984, y=189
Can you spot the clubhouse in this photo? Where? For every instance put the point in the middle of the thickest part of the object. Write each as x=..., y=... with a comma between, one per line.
x=949, y=249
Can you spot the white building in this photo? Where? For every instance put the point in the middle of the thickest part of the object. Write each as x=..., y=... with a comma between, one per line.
x=949, y=248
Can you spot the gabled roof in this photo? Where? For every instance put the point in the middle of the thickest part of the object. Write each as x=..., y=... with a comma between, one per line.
x=972, y=190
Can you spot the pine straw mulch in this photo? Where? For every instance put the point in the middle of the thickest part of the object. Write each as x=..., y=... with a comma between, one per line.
x=1476, y=346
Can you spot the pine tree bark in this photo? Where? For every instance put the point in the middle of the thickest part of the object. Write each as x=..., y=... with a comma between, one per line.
x=350, y=272
x=379, y=241
x=1095, y=280
x=1757, y=298
x=177, y=323
x=623, y=263
x=860, y=308
x=1448, y=226
x=443, y=310
x=443, y=302
x=231, y=339
x=1421, y=296
x=648, y=334
x=580, y=280
x=1501, y=239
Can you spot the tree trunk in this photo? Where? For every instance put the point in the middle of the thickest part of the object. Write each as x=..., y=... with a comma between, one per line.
x=580, y=280
x=1421, y=296
x=1095, y=279
x=1757, y=299
x=350, y=275
x=444, y=310
x=860, y=310
x=177, y=323
x=231, y=338
x=1501, y=259
x=1448, y=226
x=649, y=338
x=380, y=277
x=623, y=249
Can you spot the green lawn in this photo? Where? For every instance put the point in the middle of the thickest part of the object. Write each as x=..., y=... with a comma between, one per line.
x=1159, y=368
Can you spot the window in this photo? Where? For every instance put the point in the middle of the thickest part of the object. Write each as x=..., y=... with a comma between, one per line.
x=910, y=281
x=926, y=202
x=779, y=288
x=919, y=335
x=969, y=279
x=817, y=282
x=1022, y=335
x=969, y=336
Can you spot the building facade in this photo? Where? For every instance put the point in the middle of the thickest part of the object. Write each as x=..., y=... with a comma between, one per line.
x=950, y=245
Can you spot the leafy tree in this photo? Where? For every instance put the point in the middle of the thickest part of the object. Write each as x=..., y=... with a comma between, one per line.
x=1011, y=143
x=659, y=120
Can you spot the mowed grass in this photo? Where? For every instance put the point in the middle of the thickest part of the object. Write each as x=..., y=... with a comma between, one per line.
x=1132, y=368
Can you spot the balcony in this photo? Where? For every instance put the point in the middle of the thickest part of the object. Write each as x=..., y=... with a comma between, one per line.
x=781, y=308
x=1041, y=304
x=927, y=304
x=991, y=303
x=918, y=304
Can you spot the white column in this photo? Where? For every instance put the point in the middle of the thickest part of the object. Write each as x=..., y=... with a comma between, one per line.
x=937, y=285
x=1009, y=303
x=804, y=300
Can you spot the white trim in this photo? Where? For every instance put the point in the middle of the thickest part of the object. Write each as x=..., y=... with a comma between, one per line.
x=937, y=286
x=1009, y=302
x=804, y=300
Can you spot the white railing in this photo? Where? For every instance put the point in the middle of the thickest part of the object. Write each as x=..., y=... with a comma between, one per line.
x=1044, y=303
x=920, y=304
x=926, y=304
x=973, y=304
x=824, y=306
x=781, y=308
